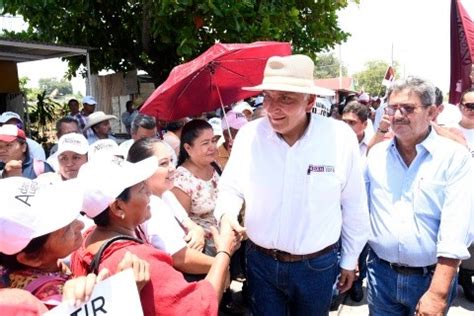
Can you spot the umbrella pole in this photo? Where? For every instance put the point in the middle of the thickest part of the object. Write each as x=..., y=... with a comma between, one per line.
x=223, y=111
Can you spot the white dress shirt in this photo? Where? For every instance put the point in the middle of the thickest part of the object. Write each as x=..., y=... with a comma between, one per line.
x=423, y=211
x=298, y=199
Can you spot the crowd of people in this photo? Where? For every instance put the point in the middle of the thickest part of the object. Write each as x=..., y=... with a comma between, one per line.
x=301, y=206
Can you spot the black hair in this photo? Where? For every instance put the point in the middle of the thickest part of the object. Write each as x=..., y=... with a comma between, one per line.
x=142, y=149
x=66, y=119
x=72, y=100
x=438, y=96
x=190, y=132
x=359, y=109
x=103, y=219
x=23, y=141
x=33, y=249
x=175, y=125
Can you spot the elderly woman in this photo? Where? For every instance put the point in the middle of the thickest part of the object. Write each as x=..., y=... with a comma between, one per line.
x=38, y=229
x=15, y=157
x=163, y=229
x=117, y=198
x=195, y=183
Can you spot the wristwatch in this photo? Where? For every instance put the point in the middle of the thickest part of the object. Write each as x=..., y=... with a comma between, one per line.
x=382, y=131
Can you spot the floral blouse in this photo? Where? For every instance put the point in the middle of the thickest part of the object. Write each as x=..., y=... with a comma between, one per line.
x=203, y=197
x=46, y=286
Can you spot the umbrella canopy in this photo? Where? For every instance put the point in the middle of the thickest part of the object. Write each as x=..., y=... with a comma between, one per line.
x=212, y=79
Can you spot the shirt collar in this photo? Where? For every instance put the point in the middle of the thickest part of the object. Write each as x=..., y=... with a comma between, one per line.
x=365, y=140
x=428, y=144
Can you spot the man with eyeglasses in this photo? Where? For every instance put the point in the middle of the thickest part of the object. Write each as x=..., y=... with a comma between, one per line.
x=419, y=184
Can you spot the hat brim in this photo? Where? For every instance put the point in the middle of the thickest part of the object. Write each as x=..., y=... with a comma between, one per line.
x=100, y=120
x=316, y=90
x=7, y=138
x=53, y=207
x=82, y=151
x=61, y=201
x=132, y=174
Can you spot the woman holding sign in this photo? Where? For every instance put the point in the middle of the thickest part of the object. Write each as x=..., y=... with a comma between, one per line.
x=39, y=226
x=117, y=198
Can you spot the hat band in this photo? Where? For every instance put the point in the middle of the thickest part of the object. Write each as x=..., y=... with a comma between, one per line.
x=291, y=81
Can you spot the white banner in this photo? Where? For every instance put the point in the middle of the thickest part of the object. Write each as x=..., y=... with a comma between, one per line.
x=117, y=295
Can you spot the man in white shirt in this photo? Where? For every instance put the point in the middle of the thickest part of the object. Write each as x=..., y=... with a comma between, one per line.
x=142, y=126
x=300, y=179
x=419, y=187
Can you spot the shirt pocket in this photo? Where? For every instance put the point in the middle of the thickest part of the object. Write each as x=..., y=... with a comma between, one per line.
x=429, y=198
x=322, y=188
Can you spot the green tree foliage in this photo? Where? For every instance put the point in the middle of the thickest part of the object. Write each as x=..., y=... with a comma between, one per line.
x=49, y=85
x=157, y=35
x=370, y=79
x=327, y=66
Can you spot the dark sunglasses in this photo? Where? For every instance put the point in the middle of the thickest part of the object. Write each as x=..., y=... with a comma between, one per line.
x=405, y=109
x=469, y=106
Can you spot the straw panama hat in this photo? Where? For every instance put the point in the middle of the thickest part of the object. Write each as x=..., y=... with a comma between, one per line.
x=292, y=73
x=97, y=117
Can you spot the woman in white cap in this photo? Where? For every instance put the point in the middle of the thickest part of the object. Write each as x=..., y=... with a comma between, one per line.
x=72, y=154
x=38, y=229
x=117, y=198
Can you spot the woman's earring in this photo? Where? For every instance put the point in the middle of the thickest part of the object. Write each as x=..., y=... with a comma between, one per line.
x=122, y=216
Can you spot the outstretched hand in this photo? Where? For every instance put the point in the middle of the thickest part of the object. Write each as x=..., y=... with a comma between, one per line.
x=78, y=290
x=228, y=240
x=195, y=238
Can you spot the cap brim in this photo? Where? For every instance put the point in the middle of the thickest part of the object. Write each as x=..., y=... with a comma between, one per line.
x=60, y=203
x=7, y=138
x=132, y=174
x=289, y=88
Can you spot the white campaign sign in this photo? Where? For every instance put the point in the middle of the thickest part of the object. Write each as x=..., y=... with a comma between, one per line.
x=116, y=295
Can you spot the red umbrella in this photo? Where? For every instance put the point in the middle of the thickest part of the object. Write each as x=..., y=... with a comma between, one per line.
x=212, y=79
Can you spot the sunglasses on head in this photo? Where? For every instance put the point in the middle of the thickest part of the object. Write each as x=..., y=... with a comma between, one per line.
x=469, y=106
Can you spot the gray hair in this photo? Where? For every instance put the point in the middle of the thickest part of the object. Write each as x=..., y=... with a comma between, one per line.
x=143, y=121
x=422, y=88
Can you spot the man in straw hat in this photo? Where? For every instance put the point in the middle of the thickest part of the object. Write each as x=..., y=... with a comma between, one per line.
x=99, y=123
x=303, y=189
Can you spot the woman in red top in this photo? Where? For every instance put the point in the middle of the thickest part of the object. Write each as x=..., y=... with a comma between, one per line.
x=117, y=199
x=37, y=230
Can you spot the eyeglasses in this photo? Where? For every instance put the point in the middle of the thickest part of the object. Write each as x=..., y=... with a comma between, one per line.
x=469, y=106
x=405, y=109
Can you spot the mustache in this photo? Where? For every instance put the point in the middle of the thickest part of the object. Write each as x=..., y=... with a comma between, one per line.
x=400, y=122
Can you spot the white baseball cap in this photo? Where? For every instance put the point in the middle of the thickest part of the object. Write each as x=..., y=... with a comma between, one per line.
x=104, y=148
x=243, y=106
x=89, y=100
x=6, y=116
x=216, y=124
x=32, y=209
x=104, y=179
x=74, y=142
x=233, y=120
